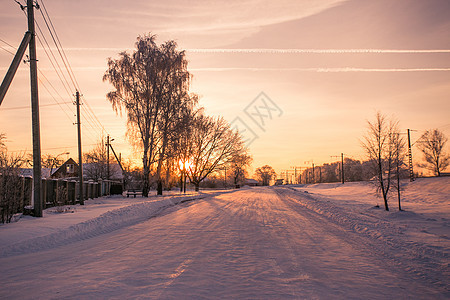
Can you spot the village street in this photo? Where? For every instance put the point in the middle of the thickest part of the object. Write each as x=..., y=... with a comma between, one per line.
x=257, y=243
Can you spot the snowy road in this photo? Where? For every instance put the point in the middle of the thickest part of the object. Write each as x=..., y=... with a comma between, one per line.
x=258, y=243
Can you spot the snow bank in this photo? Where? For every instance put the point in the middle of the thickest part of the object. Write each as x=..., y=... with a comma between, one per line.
x=418, y=236
x=98, y=216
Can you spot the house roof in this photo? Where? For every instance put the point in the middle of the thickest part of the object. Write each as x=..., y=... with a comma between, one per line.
x=28, y=172
x=250, y=180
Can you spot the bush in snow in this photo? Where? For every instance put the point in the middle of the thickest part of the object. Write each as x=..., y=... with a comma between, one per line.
x=11, y=184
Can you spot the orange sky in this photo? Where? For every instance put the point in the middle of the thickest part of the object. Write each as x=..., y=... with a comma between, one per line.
x=324, y=97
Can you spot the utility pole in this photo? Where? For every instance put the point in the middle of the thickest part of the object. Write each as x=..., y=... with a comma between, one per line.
x=29, y=40
x=225, y=179
x=118, y=159
x=14, y=65
x=107, y=157
x=38, y=202
x=184, y=179
x=80, y=153
x=411, y=171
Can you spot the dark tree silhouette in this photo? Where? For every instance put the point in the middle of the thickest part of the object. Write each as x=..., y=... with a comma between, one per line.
x=213, y=145
x=432, y=144
x=265, y=174
x=238, y=165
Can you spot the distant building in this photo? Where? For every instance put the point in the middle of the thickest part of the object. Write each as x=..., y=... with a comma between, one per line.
x=70, y=170
x=28, y=172
x=251, y=182
x=279, y=181
x=66, y=170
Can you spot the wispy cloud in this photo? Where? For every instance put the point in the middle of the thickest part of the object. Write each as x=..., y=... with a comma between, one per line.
x=280, y=51
x=318, y=51
x=322, y=70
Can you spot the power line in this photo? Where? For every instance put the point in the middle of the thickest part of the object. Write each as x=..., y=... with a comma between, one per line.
x=67, y=65
x=28, y=106
x=7, y=50
x=57, y=45
x=65, y=82
x=2, y=40
x=52, y=148
x=45, y=87
x=90, y=117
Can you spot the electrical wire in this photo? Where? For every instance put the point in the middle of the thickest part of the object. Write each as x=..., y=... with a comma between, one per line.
x=2, y=40
x=67, y=65
x=89, y=117
x=57, y=45
x=7, y=50
x=28, y=106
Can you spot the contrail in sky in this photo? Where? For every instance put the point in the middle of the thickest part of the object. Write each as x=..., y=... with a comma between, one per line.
x=322, y=70
x=317, y=51
x=281, y=51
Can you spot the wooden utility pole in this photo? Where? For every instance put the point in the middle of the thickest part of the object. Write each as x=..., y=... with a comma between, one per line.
x=29, y=40
x=342, y=166
x=37, y=178
x=14, y=65
x=411, y=171
x=80, y=153
x=107, y=157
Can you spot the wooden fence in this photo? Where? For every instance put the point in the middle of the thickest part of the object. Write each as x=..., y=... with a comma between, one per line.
x=57, y=192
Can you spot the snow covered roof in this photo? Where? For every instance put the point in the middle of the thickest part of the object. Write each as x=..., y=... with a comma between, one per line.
x=45, y=172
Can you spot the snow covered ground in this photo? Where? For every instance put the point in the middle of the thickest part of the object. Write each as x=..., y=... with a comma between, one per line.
x=425, y=219
x=77, y=222
x=324, y=241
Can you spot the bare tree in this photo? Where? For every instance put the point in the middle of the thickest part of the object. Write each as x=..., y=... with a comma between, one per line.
x=432, y=144
x=238, y=167
x=380, y=150
x=399, y=147
x=265, y=174
x=173, y=118
x=213, y=144
x=10, y=182
x=96, y=162
x=149, y=84
x=49, y=161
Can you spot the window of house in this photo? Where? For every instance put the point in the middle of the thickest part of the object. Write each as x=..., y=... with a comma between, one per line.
x=69, y=168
